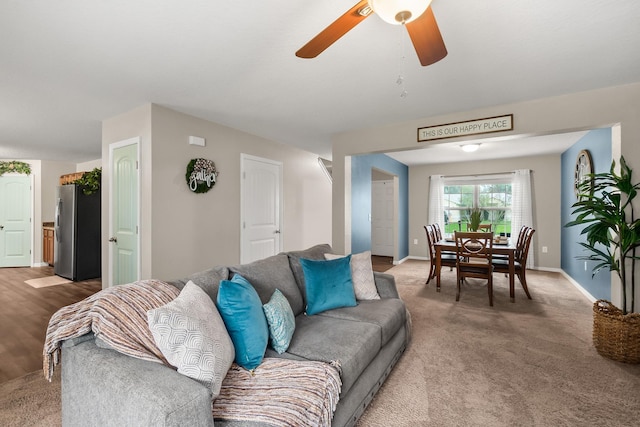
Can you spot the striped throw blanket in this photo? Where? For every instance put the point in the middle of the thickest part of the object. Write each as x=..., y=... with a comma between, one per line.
x=280, y=392
x=118, y=315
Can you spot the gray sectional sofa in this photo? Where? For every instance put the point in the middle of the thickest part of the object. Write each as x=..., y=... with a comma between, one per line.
x=103, y=387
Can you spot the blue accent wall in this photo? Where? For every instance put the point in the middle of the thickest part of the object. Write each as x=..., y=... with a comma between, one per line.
x=361, y=167
x=598, y=142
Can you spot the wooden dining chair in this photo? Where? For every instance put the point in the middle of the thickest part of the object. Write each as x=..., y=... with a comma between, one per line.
x=520, y=259
x=446, y=259
x=474, y=259
x=437, y=230
x=482, y=227
x=519, y=242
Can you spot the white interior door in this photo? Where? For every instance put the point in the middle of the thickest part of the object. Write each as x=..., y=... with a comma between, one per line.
x=382, y=218
x=15, y=221
x=261, y=206
x=124, y=256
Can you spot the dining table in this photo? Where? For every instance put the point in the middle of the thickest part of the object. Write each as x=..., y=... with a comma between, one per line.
x=498, y=248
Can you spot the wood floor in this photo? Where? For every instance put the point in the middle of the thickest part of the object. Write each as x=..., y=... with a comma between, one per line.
x=381, y=263
x=24, y=315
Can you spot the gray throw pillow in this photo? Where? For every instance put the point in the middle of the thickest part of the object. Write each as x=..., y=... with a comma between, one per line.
x=192, y=337
x=364, y=283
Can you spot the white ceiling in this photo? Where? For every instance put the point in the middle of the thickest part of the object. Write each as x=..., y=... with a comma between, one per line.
x=67, y=65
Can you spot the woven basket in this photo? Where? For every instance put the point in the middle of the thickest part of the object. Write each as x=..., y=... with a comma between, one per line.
x=70, y=178
x=616, y=335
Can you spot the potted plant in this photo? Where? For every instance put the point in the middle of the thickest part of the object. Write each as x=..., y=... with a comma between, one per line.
x=475, y=218
x=605, y=207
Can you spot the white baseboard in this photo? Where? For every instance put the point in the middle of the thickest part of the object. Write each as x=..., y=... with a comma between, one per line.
x=400, y=262
x=552, y=270
x=419, y=258
x=578, y=286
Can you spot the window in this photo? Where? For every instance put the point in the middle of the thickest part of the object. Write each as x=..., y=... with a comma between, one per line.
x=491, y=194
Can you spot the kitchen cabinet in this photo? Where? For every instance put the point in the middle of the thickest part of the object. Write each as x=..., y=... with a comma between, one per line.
x=47, y=245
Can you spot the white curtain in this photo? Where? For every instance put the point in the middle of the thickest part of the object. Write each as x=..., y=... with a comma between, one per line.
x=436, y=201
x=521, y=207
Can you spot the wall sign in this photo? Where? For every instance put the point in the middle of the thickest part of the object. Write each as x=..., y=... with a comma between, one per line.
x=469, y=127
x=201, y=175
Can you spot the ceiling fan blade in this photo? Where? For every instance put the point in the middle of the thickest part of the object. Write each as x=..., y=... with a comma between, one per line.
x=333, y=32
x=426, y=38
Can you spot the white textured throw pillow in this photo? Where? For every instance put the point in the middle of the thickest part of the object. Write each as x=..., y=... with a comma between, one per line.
x=191, y=335
x=364, y=284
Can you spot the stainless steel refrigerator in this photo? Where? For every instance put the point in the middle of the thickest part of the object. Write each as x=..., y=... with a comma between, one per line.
x=77, y=251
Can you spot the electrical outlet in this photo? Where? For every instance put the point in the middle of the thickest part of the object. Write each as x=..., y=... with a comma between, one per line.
x=585, y=266
x=415, y=241
x=545, y=249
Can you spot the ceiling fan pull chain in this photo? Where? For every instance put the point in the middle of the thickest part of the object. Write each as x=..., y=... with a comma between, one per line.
x=401, y=79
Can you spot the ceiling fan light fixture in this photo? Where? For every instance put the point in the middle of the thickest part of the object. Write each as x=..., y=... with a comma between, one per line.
x=470, y=148
x=399, y=12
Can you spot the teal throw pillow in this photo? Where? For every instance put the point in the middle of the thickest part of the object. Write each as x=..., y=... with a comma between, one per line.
x=241, y=310
x=328, y=284
x=282, y=322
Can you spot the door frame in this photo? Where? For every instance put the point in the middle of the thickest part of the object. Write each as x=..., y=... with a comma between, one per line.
x=112, y=147
x=243, y=159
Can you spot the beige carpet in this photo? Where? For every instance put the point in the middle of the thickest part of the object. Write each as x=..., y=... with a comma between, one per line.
x=44, y=282
x=530, y=363
x=31, y=401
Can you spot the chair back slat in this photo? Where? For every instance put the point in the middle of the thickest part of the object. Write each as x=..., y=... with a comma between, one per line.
x=474, y=244
x=437, y=231
x=523, y=252
x=430, y=241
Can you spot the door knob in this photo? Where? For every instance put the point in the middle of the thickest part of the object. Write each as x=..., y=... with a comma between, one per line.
x=277, y=232
x=113, y=239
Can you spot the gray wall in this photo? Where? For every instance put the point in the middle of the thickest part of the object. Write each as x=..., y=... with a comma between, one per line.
x=183, y=232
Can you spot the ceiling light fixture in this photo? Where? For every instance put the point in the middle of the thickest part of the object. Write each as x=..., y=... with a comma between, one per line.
x=399, y=11
x=470, y=148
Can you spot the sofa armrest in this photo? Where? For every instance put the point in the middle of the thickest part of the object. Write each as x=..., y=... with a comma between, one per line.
x=106, y=388
x=386, y=285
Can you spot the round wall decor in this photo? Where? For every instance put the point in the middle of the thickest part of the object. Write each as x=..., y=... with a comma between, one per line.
x=584, y=167
x=201, y=175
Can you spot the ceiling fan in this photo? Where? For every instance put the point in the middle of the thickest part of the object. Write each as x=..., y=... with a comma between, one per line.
x=415, y=15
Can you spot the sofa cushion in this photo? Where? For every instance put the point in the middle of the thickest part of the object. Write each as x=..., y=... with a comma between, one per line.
x=353, y=344
x=207, y=280
x=281, y=321
x=388, y=314
x=328, y=284
x=191, y=335
x=241, y=310
x=315, y=252
x=364, y=284
x=270, y=273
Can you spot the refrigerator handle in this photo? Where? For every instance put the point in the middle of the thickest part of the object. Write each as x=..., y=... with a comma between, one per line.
x=57, y=219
